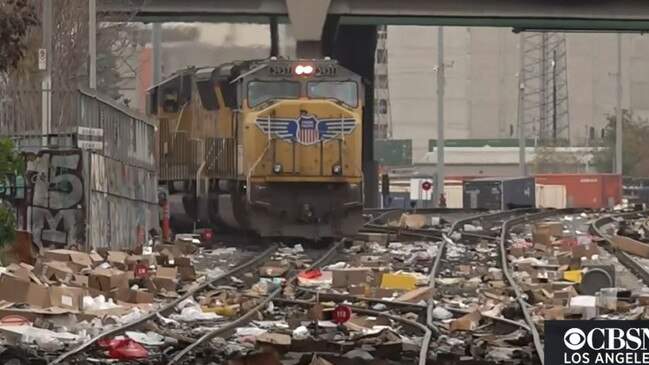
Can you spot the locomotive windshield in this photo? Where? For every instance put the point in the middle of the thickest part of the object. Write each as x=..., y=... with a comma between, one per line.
x=260, y=92
x=343, y=91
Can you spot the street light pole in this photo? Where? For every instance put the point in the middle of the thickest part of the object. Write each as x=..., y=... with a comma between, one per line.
x=156, y=44
x=46, y=76
x=92, y=44
x=521, y=106
x=439, y=176
x=618, y=109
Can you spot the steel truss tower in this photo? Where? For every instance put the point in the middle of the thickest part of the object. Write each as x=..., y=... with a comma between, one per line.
x=545, y=101
x=382, y=115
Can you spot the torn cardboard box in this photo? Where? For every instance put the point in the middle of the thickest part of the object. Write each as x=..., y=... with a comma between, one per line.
x=165, y=278
x=75, y=260
x=107, y=280
x=18, y=291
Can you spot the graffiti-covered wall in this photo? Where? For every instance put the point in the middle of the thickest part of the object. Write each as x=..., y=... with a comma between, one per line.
x=54, y=209
x=123, y=203
x=75, y=198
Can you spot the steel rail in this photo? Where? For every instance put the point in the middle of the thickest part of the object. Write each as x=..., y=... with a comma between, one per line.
x=382, y=213
x=423, y=351
x=165, y=309
x=625, y=259
x=246, y=317
x=504, y=234
x=406, y=305
x=441, y=251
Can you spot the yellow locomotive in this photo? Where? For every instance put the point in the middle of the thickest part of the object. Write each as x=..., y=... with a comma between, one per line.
x=271, y=146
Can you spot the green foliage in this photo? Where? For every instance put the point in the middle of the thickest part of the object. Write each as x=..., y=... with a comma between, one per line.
x=7, y=224
x=547, y=160
x=635, y=149
x=10, y=162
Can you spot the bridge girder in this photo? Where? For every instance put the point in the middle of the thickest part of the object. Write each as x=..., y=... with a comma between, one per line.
x=606, y=15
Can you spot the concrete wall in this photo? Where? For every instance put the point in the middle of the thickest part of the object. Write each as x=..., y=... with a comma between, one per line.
x=79, y=199
x=481, y=84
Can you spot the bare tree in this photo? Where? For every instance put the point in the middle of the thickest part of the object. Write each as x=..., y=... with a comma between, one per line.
x=20, y=105
x=16, y=18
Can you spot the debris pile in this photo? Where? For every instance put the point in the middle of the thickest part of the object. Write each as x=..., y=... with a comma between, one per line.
x=68, y=296
x=472, y=301
x=397, y=271
x=566, y=274
x=297, y=332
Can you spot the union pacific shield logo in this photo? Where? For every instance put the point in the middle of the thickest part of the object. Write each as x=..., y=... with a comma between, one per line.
x=307, y=129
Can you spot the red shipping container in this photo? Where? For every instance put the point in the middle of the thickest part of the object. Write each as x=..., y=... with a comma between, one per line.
x=587, y=190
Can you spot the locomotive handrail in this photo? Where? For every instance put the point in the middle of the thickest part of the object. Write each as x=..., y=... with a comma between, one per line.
x=249, y=174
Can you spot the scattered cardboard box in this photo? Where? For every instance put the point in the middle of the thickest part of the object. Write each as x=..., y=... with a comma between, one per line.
x=165, y=278
x=342, y=278
x=629, y=245
x=76, y=260
x=118, y=259
x=412, y=221
x=468, y=322
x=134, y=296
x=417, y=295
x=67, y=297
x=107, y=280
x=18, y=291
x=398, y=281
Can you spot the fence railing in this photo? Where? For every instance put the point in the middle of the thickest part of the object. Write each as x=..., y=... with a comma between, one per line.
x=127, y=136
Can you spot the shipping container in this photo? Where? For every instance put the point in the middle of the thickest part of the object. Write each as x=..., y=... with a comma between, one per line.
x=454, y=196
x=550, y=196
x=594, y=191
x=500, y=193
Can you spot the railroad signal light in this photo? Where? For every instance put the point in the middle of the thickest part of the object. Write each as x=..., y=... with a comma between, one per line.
x=426, y=185
x=141, y=271
x=207, y=234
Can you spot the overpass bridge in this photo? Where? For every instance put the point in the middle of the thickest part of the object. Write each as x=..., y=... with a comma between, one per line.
x=346, y=29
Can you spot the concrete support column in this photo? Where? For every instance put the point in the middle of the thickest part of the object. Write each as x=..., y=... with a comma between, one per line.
x=308, y=19
x=355, y=48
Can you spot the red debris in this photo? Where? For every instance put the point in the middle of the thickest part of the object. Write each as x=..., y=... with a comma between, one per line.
x=124, y=349
x=311, y=274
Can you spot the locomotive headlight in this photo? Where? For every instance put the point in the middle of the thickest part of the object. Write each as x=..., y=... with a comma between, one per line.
x=303, y=69
x=337, y=169
x=277, y=168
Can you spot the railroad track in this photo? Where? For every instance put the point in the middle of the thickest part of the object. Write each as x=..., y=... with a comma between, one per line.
x=167, y=309
x=630, y=261
x=493, y=228
x=244, y=319
x=483, y=267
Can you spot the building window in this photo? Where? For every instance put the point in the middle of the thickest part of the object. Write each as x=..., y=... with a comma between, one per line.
x=382, y=81
x=383, y=106
x=381, y=56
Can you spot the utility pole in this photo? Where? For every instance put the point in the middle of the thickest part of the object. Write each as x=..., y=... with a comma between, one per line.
x=46, y=76
x=439, y=176
x=618, y=109
x=521, y=105
x=156, y=44
x=92, y=44
x=554, y=95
